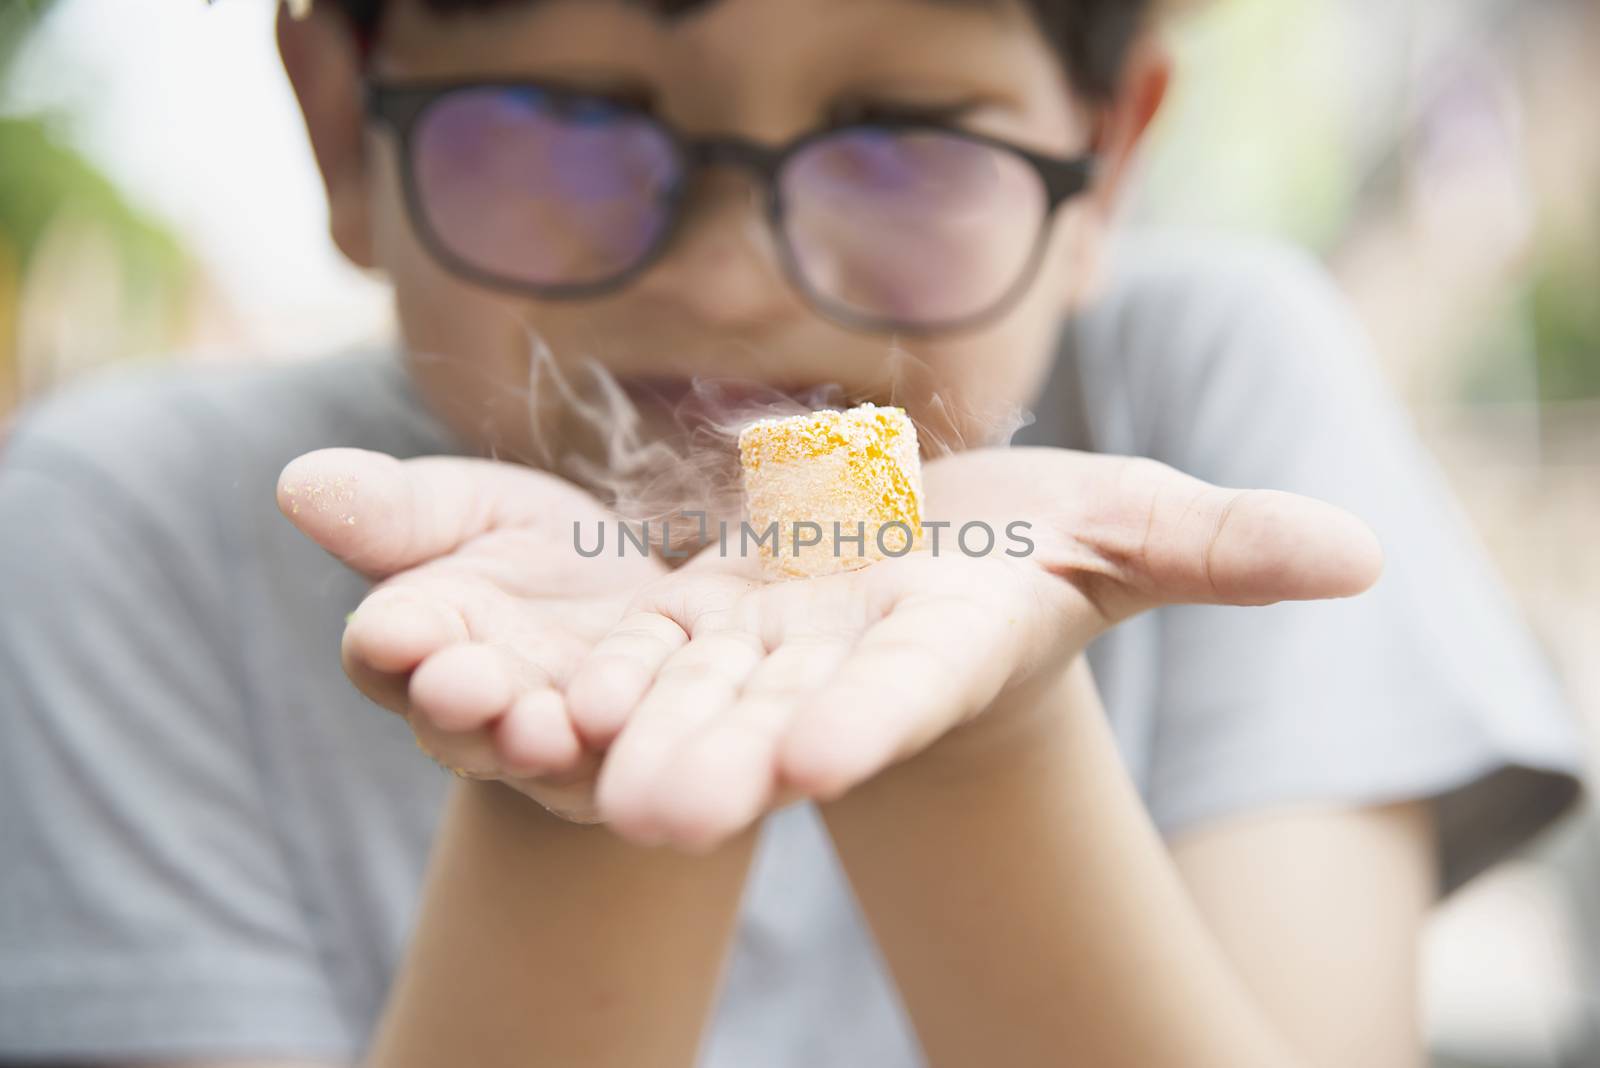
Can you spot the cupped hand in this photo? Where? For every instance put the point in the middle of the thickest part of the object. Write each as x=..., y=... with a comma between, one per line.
x=481, y=607
x=726, y=695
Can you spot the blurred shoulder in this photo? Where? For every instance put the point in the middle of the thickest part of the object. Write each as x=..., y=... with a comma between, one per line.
x=1192, y=270
x=1168, y=293
x=1186, y=323
x=147, y=428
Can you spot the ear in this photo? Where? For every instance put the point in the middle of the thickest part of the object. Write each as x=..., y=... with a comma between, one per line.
x=1118, y=126
x=320, y=57
x=1123, y=122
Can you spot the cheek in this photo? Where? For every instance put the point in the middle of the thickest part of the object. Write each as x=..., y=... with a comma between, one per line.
x=472, y=347
x=1072, y=270
x=438, y=312
x=496, y=331
x=973, y=391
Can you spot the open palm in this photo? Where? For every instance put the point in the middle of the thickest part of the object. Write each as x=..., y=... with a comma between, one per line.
x=478, y=615
x=733, y=695
x=680, y=705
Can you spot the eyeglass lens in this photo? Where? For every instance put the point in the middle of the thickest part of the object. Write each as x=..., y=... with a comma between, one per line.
x=551, y=191
x=543, y=192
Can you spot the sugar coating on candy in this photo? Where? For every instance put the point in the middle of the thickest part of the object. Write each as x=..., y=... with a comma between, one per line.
x=859, y=468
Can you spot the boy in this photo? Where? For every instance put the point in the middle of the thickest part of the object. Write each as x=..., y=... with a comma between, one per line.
x=217, y=849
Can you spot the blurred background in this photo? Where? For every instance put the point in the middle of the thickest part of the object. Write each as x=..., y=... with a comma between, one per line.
x=1442, y=156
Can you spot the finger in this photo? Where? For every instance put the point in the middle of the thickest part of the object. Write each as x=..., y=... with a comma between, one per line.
x=395, y=628
x=464, y=687
x=535, y=737
x=455, y=696
x=1172, y=538
x=532, y=741
x=611, y=681
x=388, y=634
x=723, y=776
x=380, y=515
x=613, y=678
x=931, y=664
x=383, y=688
x=486, y=708
x=694, y=684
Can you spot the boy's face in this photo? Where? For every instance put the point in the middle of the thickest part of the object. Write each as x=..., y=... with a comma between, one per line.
x=716, y=304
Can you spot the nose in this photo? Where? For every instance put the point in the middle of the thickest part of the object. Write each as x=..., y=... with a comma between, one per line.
x=722, y=267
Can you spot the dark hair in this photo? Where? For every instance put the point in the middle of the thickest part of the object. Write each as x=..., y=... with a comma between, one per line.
x=1090, y=37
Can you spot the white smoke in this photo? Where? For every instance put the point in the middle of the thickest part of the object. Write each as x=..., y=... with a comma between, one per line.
x=585, y=426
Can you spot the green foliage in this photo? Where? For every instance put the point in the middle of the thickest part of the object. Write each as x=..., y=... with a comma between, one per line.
x=41, y=179
x=1545, y=345
x=17, y=20
x=1564, y=307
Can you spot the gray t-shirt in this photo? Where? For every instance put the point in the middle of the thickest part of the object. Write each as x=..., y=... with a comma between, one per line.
x=212, y=845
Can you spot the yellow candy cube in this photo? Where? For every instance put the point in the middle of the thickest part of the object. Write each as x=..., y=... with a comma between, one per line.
x=841, y=489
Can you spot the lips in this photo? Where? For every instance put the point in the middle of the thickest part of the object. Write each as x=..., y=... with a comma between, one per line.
x=722, y=400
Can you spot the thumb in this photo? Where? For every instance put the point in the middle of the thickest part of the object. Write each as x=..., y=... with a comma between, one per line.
x=380, y=515
x=1173, y=538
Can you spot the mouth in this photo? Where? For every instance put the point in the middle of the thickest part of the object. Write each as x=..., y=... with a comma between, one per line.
x=727, y=401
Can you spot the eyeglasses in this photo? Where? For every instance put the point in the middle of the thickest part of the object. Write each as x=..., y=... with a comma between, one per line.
x=903, y=226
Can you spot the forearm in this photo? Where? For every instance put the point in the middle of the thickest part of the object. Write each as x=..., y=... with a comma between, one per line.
x=543, y=941
x=1028, y=909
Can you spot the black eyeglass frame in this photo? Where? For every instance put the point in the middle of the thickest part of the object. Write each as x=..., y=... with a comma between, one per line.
x=402, y=105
